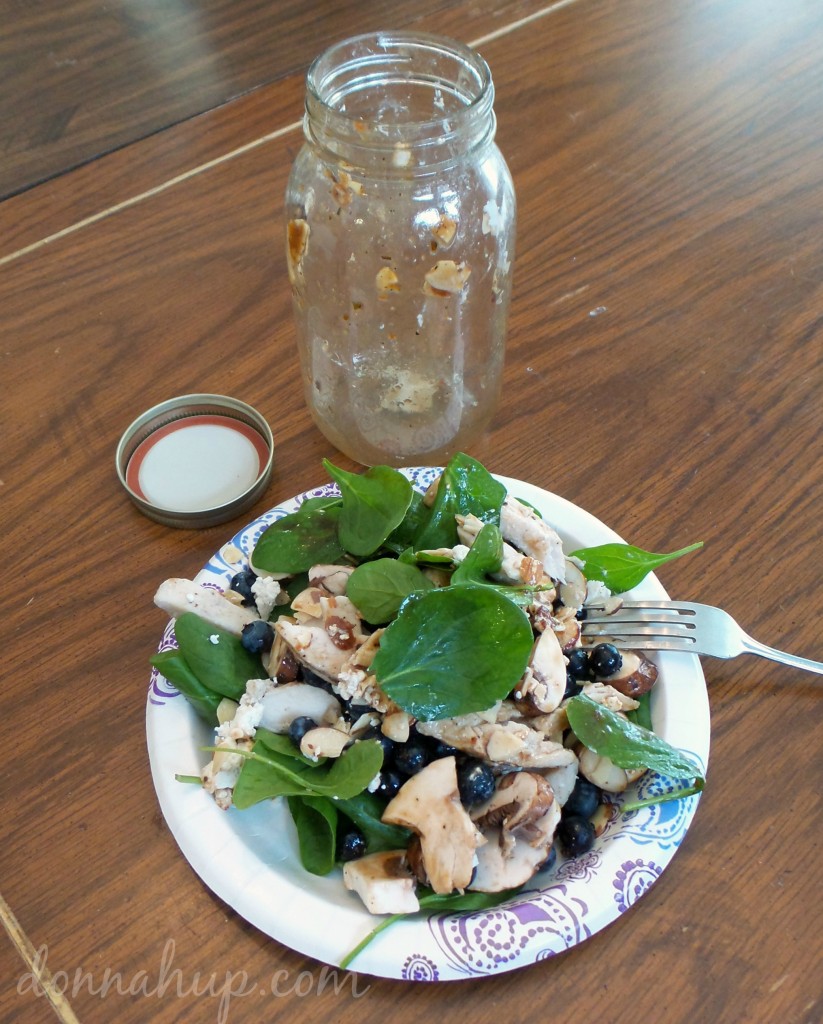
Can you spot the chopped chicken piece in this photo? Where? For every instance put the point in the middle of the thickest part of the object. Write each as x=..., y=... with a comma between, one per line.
x=516, y=568
x=177, y=596
x=533, y=536
x=610, y=698
x=383, y=882
x=510, y=743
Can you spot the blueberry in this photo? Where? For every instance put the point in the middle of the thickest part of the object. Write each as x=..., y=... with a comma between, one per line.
x=389, y=746
x=573, y=687
x=575, y=835
x=315, y=680
x=241, y=582
x=475, y=781
x=605, y=660
x=354, y=712
x=581, y=614
x=299, y=727
x=352, y=845
x=579, y=664
x=550, y=861
x=412, y=757
x=257, y=637
x=390, y=783
x=584, y=800
x=440, y=749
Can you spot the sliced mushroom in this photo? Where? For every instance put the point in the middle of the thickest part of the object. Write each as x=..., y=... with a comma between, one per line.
x=282, y=704
x=637, y=675
x=383, y=882
x=573, y=591
x=429, y=804
x=544, y=681
x=566, y=627
x=177, y=596
x=334, y=578
x=562, y=781
x=603, y=772
x=518, y=823
x=519, y=801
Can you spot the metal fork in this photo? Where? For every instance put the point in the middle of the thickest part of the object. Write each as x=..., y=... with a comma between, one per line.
x=680, y=626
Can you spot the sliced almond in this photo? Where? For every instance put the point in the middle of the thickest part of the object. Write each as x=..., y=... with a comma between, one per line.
x=386, y=280
x=445, y=230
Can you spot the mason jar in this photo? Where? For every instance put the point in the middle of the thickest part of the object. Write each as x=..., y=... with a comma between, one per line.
x=400, y=215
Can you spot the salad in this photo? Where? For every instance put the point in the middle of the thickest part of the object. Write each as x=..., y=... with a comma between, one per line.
x=407, y=671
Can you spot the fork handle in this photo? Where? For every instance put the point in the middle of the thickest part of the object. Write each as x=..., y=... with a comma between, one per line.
x=752, y=646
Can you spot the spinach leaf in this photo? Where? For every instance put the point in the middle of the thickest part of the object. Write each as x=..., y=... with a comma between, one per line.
x=315, y=819
x=365, y=810
x=626, y=744
x=378, y=588
x=467, y=901
x=374, y=504
x=452, y=651
x=485, y=557
x=664, y=798
x=176, y=669
x=279, y=743
x=301, y=539
x=623, y=566
x=433, y=902
x=642, y=715
x=465, y=487
x=270, y=771
x=217, y=658
x=416, y=515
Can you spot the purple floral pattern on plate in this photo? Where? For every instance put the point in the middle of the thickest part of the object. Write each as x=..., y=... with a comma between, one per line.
x=420, y=968
x=632, y=880
x=491, y=940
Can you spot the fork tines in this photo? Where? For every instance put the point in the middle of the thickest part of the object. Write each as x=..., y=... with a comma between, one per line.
x=644, y=619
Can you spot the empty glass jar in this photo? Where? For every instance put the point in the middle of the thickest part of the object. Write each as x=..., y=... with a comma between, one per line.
x=400, y=240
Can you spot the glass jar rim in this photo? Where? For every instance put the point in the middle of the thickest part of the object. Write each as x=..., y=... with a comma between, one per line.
x=363, y=64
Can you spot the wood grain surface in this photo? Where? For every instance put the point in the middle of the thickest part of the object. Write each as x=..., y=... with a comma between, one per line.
x=664, y=372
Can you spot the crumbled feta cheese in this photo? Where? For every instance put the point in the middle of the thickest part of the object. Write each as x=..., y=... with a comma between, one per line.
x=596, y=591
x=266, y=591
x=214, y=639
x=374, y=785
x=247, y=717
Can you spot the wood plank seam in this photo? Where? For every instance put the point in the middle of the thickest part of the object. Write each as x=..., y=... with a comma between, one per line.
x=498, y=33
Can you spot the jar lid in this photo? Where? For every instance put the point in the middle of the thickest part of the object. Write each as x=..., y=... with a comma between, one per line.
x=196, y=460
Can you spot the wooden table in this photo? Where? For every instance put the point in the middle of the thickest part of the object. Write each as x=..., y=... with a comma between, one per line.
x=664, y=372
